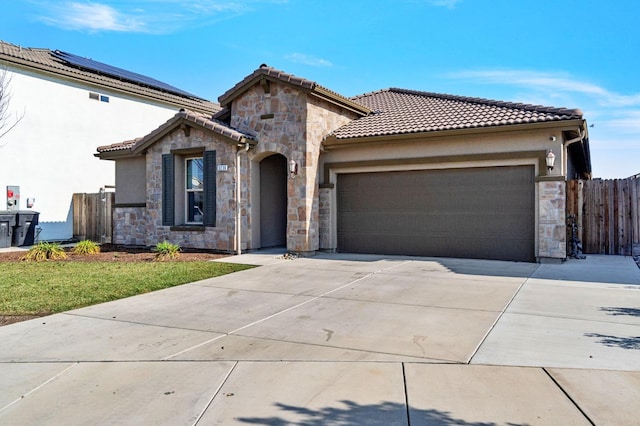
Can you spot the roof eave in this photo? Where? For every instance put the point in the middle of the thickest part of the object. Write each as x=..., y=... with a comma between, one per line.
x=227, y=98
x=580, y=137
x=118, y=154
x=342, y=102
x=262, y=75
x=106, y=84
x=178, y=121
x=331, y=142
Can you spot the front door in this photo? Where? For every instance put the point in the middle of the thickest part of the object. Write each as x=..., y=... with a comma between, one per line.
x=273, y=201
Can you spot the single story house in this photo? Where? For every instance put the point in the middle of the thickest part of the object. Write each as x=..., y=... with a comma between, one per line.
x=288, y=162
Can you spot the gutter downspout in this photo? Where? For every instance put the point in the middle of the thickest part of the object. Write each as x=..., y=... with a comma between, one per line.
x=238, y=198
x=581, y=137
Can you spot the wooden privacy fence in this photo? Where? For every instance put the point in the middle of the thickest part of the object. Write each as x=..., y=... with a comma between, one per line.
x=607, y=213
x=92, y=216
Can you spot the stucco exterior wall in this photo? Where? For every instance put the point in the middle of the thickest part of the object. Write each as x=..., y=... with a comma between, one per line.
x=49, y=154
x=452, y=145
x=131, y=180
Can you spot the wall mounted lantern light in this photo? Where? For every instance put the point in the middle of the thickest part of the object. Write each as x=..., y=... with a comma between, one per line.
x=551, y=160
x=293, y=168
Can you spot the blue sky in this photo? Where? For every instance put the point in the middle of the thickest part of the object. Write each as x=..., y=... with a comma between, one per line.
x=565, y=53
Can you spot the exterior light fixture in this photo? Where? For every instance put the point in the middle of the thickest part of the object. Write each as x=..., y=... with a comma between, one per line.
x=293, y=168
x=551, y=160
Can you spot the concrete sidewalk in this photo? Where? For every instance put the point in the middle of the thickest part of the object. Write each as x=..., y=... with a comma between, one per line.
x=342, y=339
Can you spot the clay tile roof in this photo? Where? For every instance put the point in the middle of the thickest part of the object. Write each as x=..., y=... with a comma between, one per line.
x=255, y=76
x=121, y=146
x=270, y=73
x=54, y=62
x=400, y=111
x=205, y=121
x=216, y=126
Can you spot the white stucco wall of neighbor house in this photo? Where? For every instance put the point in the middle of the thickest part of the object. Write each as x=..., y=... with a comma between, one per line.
x=49, y=153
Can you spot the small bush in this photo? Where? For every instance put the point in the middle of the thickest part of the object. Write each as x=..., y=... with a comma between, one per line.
x=86, y=247
x=166, y=250
x=45, y=251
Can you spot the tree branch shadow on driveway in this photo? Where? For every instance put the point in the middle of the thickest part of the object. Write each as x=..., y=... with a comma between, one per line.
x=383, y=414
x=632, y=312
x=617, y=341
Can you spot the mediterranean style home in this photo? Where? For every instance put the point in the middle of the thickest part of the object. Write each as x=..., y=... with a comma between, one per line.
x=288, y=162
x=64, y=106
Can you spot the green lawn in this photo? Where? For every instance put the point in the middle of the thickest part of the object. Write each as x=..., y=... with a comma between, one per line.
x=41, y=288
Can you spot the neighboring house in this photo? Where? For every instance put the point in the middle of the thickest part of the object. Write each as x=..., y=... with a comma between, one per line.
x=69, y=105
x=392, y=172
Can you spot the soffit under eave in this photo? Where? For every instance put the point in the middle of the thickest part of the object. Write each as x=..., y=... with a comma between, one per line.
x=579, y=154
x=116, y=154
x=562, y=125
x=580, y=150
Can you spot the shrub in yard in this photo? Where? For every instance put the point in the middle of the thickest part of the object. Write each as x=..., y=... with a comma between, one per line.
x=86, y=247
x=44, y=251
x=166, y=250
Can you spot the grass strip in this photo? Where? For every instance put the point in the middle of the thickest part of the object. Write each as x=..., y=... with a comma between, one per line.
x=41, y=288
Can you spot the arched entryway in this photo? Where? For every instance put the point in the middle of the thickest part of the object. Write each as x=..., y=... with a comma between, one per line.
x=273, y=201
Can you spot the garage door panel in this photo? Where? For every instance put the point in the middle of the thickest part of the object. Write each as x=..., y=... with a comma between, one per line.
x=475, y=213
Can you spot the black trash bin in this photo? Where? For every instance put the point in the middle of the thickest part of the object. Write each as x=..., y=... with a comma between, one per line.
x=24, y=232
x=7, y=223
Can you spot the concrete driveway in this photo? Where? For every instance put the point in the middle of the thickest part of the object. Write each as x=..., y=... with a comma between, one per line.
x=342, y=339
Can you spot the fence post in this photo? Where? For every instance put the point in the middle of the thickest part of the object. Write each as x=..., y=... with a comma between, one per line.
x=634, y=183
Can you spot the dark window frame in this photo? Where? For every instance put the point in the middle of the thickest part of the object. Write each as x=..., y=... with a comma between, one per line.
x=169, y=187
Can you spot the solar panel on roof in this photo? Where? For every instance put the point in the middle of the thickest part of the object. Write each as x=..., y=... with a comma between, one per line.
x=101, y=68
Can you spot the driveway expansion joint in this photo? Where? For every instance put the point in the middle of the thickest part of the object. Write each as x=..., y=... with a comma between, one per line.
x=575, y=404
x=290, y=308
x=504, y=310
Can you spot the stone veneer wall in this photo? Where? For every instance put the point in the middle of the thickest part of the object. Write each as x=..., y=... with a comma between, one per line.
x=322, y=119
x=293, y=123
x=324, y=214
x=130, y=226
x=220, y=237
x=276, y=120
x=552, y=229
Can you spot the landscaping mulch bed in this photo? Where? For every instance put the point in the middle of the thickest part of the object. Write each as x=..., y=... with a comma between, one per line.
x=118, y=253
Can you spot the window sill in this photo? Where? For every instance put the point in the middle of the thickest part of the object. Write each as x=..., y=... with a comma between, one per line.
x=188, y=228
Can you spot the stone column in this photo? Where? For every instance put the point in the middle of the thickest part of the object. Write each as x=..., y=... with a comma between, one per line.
x=324, y=216
x=552, y=230
x=302, y=212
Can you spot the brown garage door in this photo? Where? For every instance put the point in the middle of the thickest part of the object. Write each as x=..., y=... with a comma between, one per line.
x=483, y=213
